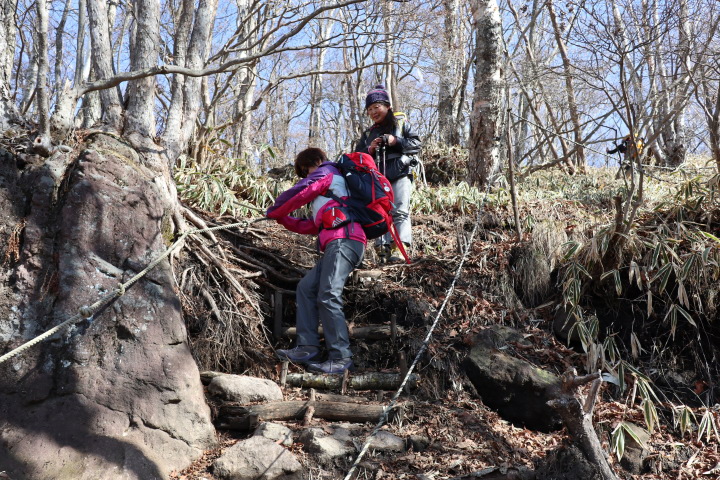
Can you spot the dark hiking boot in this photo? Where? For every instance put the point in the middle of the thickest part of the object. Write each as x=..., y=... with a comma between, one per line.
x=383, y=253
x=299, y=354
x=335, y=366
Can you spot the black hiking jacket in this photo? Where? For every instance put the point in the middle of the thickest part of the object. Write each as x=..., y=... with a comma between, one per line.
x=397, y=157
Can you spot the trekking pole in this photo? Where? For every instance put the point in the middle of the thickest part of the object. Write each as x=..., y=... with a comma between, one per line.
x=382, y=152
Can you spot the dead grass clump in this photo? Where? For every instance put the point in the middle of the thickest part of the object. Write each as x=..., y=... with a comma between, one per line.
x=444, y=164
x=531, y=275
x=534, y=261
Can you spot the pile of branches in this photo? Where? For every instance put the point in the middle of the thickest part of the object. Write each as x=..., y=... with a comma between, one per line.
x=221, y=278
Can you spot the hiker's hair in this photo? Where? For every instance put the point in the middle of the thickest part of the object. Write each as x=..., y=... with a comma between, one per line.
x=310, y=157
x=390, y=122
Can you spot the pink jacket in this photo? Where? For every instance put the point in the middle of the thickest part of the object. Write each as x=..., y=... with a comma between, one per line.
x=311, y=190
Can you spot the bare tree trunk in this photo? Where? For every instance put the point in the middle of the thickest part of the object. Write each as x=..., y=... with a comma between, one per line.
x=235, y=417
x=102, y=62
x=524, y=106
x=535, y=99
x=82, y=60
x=90, y=109
x=315, y=103
x=671, y=148
x=244, y=100
x=677, y=150
x=59, y=34
x=388, y=68
x=42, y=142
x=8, y=112
x=484, y=123
x=338, y=134
x=7, y=39
x=29, y=78
x=177, y=89
x=316, y=86
x=450, y=75
x=197, y=51
x=245, y=80
x=64, y=116
x=352, y=90
x=140, y=112
x=569, y=89
x=712, y=115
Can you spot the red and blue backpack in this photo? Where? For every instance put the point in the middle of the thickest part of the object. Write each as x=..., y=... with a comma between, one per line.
x=370, y=198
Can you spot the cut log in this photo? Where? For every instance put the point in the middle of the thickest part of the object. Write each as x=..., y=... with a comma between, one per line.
x=207, y=376
x=365, y=381
x=283, y=374
x=345, y=382
x=309, y=412
x=332, y=397
x=369, y=332
x=234, y=417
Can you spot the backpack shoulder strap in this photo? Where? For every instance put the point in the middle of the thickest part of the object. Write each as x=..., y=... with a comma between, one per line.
x=401, y=118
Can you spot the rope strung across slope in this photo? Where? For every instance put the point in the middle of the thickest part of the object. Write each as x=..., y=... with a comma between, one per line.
x=393, y=401
x=86, y=312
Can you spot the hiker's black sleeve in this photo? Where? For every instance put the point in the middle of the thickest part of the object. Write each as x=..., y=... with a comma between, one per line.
x=362, y=144
x=409, y=142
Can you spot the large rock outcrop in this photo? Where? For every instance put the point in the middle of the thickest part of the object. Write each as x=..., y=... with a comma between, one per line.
x=516, y=389
x=118, y=396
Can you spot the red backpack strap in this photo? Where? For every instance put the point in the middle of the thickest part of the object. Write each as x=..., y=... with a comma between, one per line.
x=396, y=239
x=362, y=160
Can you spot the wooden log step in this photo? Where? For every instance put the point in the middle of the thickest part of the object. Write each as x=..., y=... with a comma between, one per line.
x=207, y=376
x=332, y=397
x=363, y=381
x=369, y=332
x=235, y=417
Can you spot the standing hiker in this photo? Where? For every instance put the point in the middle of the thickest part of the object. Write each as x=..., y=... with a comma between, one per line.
x=394, y=146
x=319, y=293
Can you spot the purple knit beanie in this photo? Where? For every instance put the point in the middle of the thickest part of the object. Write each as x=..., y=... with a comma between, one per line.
x=378, y=94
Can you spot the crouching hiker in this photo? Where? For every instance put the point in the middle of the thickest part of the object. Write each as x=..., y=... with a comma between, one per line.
x=319, y=293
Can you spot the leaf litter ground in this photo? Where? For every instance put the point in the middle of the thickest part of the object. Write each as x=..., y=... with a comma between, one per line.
x=464, y=436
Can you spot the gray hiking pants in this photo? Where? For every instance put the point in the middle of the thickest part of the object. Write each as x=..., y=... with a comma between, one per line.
x=402, y=188
x=319, y=298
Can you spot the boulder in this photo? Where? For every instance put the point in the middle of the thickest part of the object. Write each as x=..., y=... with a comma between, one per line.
x=117, y=395
x=275, y=432
x=516, y=389
x=633, y=460
x=329, y=448
x=257, y=458
x=244, y=389
x=384, y=441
